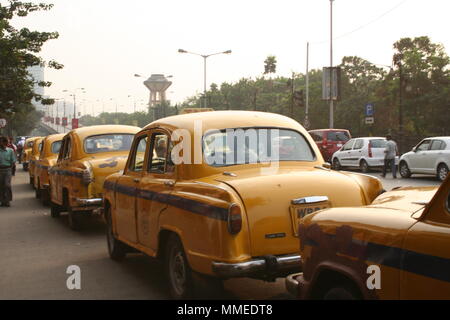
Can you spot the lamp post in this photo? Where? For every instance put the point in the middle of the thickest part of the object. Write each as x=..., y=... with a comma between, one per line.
x=204, y=56
x=331, y=67
x=74, y=100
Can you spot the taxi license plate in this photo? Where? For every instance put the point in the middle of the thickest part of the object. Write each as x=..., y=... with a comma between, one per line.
x=299, y=211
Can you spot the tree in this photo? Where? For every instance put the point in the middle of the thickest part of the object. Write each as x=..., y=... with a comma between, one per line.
x=270, y=65
x=18, y=52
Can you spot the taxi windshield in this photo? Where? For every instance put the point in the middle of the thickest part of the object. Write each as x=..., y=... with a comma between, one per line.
x=255, y=145
x=108, y=143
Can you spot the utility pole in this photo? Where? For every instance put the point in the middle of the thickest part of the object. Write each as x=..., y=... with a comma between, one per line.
x=331, y=67
x=292, y=95
x=307, y=87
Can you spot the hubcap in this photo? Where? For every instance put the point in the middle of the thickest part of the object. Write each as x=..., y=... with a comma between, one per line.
x=403, y=170
x=178, y=272
x=443, y=172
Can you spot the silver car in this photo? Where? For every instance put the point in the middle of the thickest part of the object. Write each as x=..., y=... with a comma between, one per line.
x=363, y=153
x=430, y=156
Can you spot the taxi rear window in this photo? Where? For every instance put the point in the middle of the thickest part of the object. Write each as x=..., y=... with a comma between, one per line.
x=108, y=143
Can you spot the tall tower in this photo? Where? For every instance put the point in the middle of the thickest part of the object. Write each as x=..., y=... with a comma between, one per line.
x=157, y=84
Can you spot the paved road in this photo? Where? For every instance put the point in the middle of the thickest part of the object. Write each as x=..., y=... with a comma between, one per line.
x=36, y=251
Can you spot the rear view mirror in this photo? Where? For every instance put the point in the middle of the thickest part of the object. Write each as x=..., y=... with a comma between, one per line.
x=326, y=165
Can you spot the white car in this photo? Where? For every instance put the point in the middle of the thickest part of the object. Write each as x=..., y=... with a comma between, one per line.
x=430, y=156
x=363, y=153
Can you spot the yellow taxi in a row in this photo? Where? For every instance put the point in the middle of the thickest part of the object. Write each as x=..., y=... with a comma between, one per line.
x=220, y=194
x=34, y=157
x=47, y=158
x=396, y=248
x=26, y=154
x=86, y=157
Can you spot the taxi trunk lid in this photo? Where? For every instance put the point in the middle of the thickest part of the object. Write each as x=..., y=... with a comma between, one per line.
x=268, y=201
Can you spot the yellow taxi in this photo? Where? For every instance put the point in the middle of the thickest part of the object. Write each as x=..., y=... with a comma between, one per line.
x=86, y=157
x=396, y=248
x=201, y=192
x=47, y=158
x=26, y=154
x=34, y=157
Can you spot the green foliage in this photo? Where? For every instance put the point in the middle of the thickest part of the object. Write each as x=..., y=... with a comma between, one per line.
x=18, y=52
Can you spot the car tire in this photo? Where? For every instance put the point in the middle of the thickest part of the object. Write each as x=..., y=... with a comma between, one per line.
x=363, y=166
x=442, y=172
x=74, y=219
x=55, y=210
x=178, y=271
x=336, y=164
x=340, y=293
x=404, y=170
x=117, y=250
x=45, y=196
x=37, y=193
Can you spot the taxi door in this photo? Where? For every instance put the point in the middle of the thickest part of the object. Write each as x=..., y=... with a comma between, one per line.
x=56, y=174
x=155, y=188
x=127, y=189
x=426, y=255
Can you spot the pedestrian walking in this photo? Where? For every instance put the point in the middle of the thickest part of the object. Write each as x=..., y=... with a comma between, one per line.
x=12, y=146
x=390, y=153
x=7, y=161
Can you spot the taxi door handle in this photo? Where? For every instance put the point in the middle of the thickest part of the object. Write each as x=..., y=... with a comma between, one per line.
x=169, y=183
x=136, y=179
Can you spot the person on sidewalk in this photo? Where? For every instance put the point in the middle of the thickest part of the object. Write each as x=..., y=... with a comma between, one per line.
x=12, y=146
x=7, y=161
x=390, y=153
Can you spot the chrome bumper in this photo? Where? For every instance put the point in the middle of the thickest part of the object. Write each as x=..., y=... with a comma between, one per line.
x=267, y=265
x=292, y=284
x=89, y=202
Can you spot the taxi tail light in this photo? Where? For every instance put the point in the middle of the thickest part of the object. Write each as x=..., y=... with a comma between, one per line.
x=234, y=219
x=370, y=150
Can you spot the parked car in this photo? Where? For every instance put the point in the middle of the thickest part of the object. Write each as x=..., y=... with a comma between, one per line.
x=330, y=140
x=430, y=156
x=86, y=157
x=33, y=157
x=396, y=248
x=230, y=212
x=26, y=154
x=364, y=153
x=47, y=158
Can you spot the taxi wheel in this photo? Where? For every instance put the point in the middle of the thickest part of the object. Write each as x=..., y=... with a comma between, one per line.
x=336, y=164
x=45, y=197
x=55, y=210
x=341, y=293
x=117, y=249
x=177, y=268
x=442, y=172
x=37, y=193
x=364, y=166
x=74, y=219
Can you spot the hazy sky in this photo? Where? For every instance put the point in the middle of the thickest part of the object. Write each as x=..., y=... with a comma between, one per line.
x=103, y=43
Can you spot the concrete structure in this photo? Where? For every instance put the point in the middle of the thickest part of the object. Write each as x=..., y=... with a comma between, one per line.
x=157, y=84
x=37, y=73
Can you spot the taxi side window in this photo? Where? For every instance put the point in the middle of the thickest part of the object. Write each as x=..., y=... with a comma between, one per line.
x=61, y=150
x=137, y=163
x=161, y=149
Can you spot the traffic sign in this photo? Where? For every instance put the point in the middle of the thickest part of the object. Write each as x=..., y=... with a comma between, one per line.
x=369, y=110
x=2, y=123
x=370, y=120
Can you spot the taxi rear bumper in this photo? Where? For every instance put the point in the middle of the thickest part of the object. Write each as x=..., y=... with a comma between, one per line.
x=90, y=202
x=263, y=267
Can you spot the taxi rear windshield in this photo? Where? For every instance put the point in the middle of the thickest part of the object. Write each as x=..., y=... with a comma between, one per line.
x=56, y=146
x=255, y=145
x=108, y=143
x=337, y=136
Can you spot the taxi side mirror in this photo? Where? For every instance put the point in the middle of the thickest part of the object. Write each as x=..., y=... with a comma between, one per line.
x=326, y=165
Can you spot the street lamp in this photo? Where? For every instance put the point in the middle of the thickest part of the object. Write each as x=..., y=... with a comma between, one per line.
x=204, y=56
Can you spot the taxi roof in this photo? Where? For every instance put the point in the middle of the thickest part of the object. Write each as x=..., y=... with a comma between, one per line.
x=85, y=132
x=54, y=137
x=226, y=119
